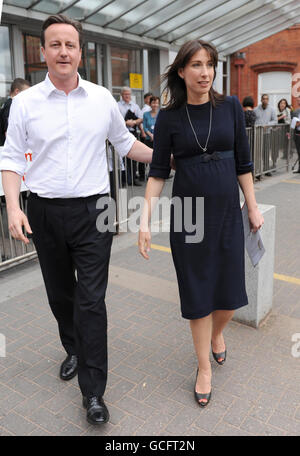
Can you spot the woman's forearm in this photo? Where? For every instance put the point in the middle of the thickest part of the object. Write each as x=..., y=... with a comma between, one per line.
x=246, y=184
x=153, y=191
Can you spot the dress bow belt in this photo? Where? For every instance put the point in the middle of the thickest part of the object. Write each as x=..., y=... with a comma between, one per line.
x=207, y=157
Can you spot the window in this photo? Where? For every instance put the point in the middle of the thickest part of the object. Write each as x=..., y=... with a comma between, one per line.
x=35, y=65
x=6, y=73
x=123, y=62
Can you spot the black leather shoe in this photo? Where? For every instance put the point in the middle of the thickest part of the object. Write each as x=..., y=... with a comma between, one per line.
x=97, y=412
x=69, y=367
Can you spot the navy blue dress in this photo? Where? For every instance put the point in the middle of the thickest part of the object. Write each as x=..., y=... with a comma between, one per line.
x=210, y=272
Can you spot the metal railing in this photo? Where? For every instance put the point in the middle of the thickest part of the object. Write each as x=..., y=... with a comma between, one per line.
x=270, y=150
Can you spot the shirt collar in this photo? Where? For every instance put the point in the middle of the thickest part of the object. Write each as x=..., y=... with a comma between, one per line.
x=124, y=102
x=49, y=87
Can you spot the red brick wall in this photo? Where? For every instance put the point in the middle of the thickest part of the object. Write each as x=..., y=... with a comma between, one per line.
x=279, y=52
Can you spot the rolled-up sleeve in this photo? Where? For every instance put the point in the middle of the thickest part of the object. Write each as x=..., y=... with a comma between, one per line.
x=15, y=146
x=242, y=154
x=118, y=133
x=162, y=146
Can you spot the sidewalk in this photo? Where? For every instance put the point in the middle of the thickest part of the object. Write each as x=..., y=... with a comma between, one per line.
x=152, y=364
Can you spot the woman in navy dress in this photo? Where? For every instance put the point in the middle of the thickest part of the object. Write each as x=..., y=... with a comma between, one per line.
x=205, y=132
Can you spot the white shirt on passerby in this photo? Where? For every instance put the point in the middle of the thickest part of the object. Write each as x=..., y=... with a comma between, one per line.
x=124, y=107
x=265, y=116
x=67, y=136
x=146, y=108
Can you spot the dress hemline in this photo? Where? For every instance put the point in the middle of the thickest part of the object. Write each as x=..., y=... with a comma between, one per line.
x=197, y=316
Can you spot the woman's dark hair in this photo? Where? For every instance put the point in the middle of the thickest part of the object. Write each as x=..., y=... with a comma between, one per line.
x=154, y=99
x=175, y=88
x=287, y=105
x=248, y=101
x=61, y=19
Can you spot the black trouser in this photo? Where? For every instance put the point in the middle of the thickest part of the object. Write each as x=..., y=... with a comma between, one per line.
x=66, y=239
x=297, y=143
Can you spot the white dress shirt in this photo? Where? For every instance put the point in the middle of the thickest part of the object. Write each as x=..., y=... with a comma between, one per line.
x=133, y=108
x=66, y=134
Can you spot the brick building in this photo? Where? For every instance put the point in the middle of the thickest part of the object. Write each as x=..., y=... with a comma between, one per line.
x=271, y=66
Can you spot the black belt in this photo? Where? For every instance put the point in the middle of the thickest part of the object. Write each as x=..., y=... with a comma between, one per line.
x=205, y=158
x=68, y=201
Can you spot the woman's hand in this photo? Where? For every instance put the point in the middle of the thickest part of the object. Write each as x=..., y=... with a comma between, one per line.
x=256, y=220
x=144, y=243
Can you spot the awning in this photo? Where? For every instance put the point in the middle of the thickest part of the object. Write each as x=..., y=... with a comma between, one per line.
x=229, y=24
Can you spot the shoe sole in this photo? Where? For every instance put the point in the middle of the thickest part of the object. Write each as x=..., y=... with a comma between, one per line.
x=96, y=423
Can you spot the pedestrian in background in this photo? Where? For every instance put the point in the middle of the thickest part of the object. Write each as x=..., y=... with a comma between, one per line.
x=265, y=114
x=133, y=118
x=147, y=106
x=250, y=116
x=18, y=85
x=283, y=111
x=149, y=120
x=296, y=113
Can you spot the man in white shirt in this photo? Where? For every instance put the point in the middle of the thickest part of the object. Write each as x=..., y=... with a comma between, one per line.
x=133, y=118
x=147, y=107
x=266, y=115
x=65, y=121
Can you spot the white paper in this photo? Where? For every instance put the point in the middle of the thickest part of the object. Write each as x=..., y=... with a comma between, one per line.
x=253, y=241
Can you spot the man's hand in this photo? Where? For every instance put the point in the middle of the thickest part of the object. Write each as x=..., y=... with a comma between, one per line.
x=130, y=123
x=16, y=220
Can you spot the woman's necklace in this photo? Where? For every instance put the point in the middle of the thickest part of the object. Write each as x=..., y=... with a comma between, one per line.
x=209, y=130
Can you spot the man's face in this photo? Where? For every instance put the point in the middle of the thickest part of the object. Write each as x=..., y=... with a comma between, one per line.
x=265, y=101
x=126, y=95
x=147, y=100
x=62, y=51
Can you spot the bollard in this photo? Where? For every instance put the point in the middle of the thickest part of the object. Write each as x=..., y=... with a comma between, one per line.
x=259, y=280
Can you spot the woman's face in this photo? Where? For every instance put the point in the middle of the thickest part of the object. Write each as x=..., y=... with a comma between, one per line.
x=155, y=105
x=282, y=105
x=198, y=75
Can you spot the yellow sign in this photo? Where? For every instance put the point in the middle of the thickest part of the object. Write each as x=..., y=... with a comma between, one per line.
x=136, y=80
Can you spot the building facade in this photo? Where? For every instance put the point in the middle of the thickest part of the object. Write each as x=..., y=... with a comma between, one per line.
x=109, y=58
x=271, y=66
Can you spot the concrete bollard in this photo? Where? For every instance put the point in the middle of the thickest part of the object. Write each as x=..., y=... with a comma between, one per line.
x=259, y=280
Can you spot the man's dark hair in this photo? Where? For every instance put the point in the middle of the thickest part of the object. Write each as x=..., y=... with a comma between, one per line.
x=248, y=101
x=148, y=94
x=264, y=95
x=19, y=84
x=61, y=19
